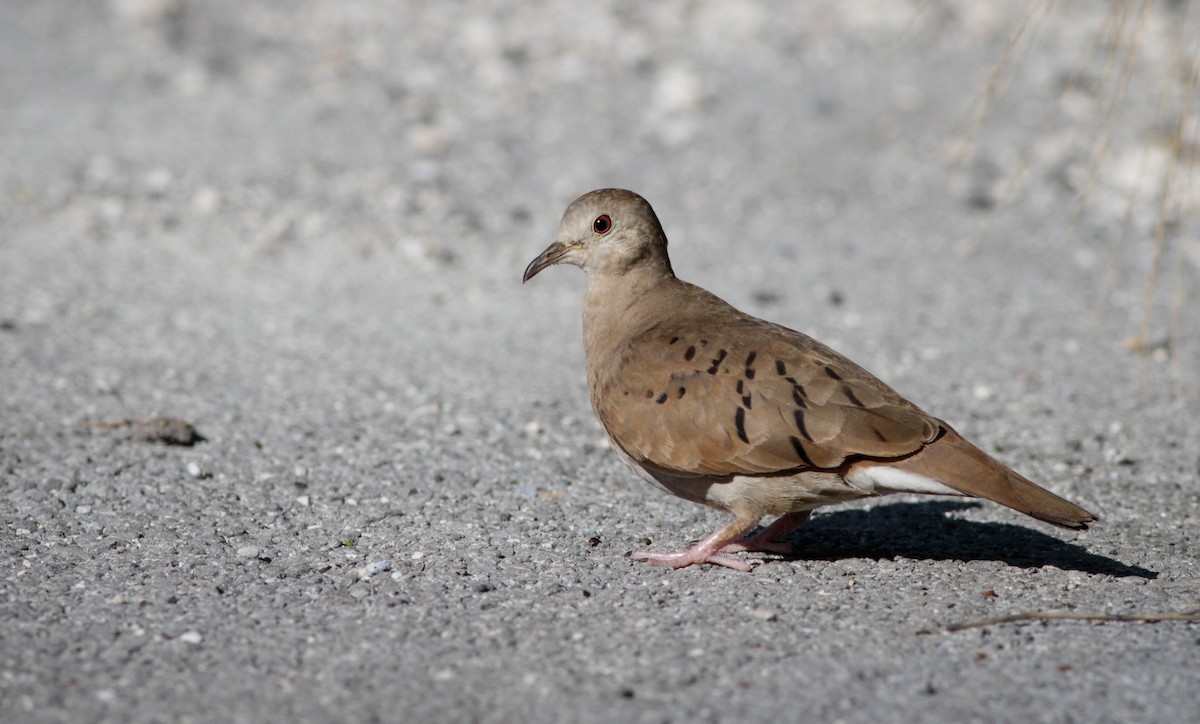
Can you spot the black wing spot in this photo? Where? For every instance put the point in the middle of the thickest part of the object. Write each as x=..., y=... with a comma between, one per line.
x=801, y=453
x=649, y=394
x=661, y=398
x=750, y=359
x=799, y=415
x=749, y=373
x=780, y=367
x=740, y=420
x=798, y=397
x=673, y=340
x=832, y=373
x=689, y=354
x=741, y=388
x=716, y=363
x=681, y=391
x=850, y=395
x=703, y=343
x=746, y=401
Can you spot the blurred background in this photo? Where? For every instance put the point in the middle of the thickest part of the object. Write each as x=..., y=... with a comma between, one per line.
x=796, y=154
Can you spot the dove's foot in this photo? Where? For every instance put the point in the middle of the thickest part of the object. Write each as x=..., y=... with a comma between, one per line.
x=732, y=539
x=707, y=550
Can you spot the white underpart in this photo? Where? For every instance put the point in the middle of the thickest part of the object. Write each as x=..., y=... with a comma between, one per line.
x=881, y=480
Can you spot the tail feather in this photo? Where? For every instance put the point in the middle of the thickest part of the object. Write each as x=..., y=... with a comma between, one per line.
x=960, y=465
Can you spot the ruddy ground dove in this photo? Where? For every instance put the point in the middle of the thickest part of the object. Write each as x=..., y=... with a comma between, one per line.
x=743, y=415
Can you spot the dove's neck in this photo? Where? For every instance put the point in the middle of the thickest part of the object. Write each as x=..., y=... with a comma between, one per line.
x=618, y=308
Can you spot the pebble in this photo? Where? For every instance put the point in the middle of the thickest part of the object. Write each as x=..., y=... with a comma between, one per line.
x=205, y=201
x=191, y=637
x=158, y=181
x=377, y=567
x=427, y=139
x=142, y=11
x=372, y=569
x=764, y=614
x=248, y=551
x=679, y=90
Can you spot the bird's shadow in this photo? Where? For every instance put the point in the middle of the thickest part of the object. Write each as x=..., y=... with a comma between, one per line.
x=924, y=531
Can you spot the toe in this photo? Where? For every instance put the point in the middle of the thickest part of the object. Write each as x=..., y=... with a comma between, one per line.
x=736, y=564
x=682, y=559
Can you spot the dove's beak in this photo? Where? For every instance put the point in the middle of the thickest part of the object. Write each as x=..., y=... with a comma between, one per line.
x=551, y=256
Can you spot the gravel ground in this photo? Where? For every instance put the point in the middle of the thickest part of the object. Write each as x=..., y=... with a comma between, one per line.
x=283, y=437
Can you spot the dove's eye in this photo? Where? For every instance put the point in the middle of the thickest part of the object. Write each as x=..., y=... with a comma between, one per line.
x=602, y=224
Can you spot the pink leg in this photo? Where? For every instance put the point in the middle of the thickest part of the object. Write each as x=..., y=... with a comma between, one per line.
x=706, y=551
x=765, y=540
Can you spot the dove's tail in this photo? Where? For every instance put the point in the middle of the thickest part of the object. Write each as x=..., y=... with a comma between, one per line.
x=965, y=469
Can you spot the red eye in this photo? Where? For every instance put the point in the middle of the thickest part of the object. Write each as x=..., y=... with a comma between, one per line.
x=602, y=224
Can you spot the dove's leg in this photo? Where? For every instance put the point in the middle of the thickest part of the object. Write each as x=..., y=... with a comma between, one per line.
x=767, y=538
x=707, y=550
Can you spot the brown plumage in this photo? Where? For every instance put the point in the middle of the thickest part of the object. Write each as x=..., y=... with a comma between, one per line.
x=731, y=411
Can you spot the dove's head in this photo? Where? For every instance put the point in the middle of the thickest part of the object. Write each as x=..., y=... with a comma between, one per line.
x=607, y=232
